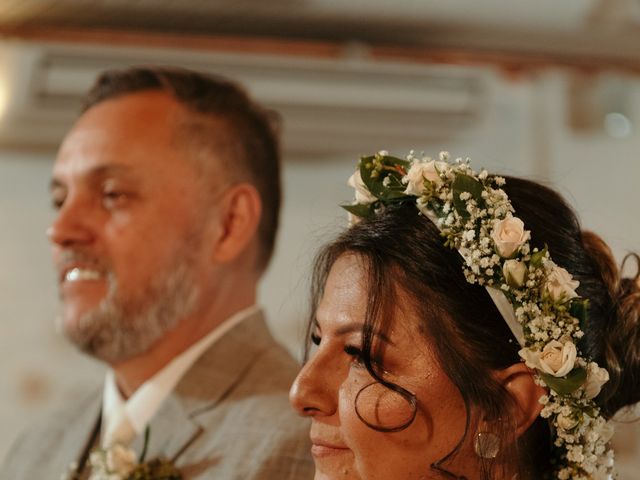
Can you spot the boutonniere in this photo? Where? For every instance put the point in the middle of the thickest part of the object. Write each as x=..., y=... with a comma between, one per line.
x=119, y=463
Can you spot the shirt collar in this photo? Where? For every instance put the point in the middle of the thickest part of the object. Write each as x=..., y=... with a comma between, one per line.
x=147, y=399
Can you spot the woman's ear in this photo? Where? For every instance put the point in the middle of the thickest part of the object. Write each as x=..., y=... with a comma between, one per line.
x=519, y=382
x=239, y=213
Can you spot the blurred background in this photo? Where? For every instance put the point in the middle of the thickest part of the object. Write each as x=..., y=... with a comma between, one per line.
x=547, y=90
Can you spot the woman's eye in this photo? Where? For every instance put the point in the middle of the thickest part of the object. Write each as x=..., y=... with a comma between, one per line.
x=358, y=359
x=355, y=353
x=315, y=339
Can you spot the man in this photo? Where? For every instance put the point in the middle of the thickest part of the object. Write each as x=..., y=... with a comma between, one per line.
x=167, y=195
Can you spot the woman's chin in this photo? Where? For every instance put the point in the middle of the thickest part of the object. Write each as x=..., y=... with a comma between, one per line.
x=333, y=468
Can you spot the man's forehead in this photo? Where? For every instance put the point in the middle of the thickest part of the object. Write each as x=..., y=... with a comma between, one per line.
x=121, y=132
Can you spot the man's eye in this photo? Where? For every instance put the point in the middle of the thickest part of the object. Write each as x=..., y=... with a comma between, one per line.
x=58, y=196
x=114, y=198
x=56, y=203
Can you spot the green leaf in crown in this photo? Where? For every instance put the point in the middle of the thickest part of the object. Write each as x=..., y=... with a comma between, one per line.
x=361, y=210
x=580, y=309
x=465, y=183
x=382, y=175
x=568, y=384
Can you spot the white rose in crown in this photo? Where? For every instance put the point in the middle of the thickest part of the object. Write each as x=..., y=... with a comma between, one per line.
x=596, y=378
x=559, y=284
x=420, y=171
x=363, y=195
x=514, y=272
x=509, y=235
x=555, y=359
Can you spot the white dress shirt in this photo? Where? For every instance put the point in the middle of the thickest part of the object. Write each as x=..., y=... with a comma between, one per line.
x=123, y=420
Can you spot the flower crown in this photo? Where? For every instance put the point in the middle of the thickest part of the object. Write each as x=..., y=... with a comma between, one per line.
x=536, y=297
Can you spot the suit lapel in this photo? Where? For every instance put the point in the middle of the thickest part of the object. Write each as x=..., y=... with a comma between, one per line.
x=215, y=375
x=170, y=432
x=80, y=436
x=90, y=443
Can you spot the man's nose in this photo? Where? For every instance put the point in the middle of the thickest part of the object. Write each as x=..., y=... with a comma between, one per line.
x=72, y=224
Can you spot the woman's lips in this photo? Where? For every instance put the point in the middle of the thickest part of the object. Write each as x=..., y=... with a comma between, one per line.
x=320, y=448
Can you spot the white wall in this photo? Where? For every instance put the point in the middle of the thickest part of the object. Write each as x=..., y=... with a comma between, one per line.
x=523, y=133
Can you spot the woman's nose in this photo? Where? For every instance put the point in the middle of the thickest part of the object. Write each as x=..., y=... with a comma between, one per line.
x=314, y=392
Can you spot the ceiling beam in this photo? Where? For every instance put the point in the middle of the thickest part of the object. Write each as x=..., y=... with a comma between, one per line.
x=519, y=52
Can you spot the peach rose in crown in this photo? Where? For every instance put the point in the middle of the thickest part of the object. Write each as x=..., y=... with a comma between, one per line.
x=509, y=235
x=559, y=284
x=363, y=195
x=420, y=171
x=555, y=359
x=596, y=378
x=514, y=272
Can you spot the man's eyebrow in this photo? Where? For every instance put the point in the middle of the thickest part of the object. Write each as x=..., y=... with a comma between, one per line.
x=94, y=174
x=55, y=184
x=357, y=327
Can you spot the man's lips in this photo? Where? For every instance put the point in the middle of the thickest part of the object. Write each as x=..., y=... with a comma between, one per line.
x=80, y=273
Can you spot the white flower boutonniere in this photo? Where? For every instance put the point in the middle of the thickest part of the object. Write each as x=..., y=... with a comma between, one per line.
x=118, y=462
x=113, y=463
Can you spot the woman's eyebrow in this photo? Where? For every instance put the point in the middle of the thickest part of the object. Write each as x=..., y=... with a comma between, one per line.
x=357, y=327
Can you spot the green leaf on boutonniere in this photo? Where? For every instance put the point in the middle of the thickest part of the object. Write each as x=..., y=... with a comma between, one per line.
x=157, y=469
x=360, y=210
x=465, y=183
x=568, y=384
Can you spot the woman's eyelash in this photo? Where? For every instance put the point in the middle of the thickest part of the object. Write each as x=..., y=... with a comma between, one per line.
x=358, y=356
x=354, y=352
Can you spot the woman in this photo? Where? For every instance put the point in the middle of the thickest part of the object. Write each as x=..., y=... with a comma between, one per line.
x=465, y=327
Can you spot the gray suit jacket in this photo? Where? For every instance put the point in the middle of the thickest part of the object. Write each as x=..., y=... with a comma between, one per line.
x=227, y=419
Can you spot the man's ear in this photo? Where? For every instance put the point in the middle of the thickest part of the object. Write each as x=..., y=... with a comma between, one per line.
x=518, y=381
x=239, y=213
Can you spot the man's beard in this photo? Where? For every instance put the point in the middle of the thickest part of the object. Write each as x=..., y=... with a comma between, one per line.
x=122, y=327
